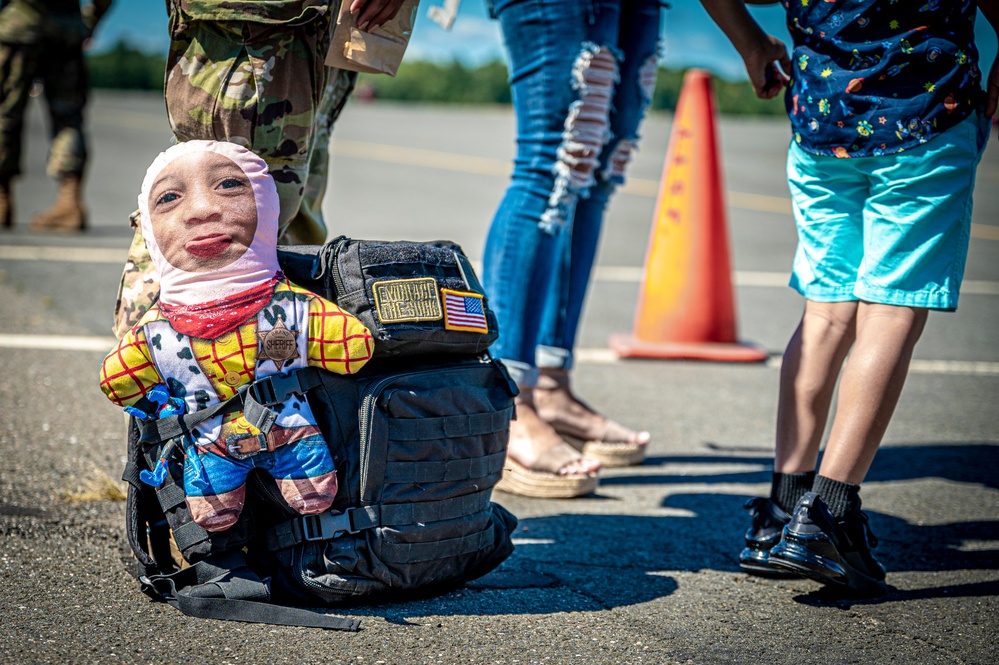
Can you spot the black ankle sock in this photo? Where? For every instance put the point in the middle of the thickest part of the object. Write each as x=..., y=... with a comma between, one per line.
x=787, y=488
x=842, y=498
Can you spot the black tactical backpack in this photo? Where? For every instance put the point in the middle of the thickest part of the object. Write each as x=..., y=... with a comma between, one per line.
x=418, y=438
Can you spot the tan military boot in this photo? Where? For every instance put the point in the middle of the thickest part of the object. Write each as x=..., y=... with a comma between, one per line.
x=6, y=205
x=67, y=213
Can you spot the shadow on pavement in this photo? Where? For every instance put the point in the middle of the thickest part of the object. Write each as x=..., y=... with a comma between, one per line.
x=607, y=560
x=587, y=562
x=719, y=521
x=959, y=462
x=562, y=563
x=822, y=597
x=592, y=562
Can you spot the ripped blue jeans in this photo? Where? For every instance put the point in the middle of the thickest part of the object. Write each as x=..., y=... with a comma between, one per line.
x=582, y=73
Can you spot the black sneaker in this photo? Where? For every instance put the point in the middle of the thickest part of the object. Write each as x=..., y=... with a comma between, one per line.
x=768, y=524
x=835, y=553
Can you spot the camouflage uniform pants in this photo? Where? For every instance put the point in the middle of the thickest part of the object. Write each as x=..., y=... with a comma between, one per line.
x=266, y=88
x=60, y=67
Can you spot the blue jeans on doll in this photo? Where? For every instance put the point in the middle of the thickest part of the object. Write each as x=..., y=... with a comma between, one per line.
x=207, y=474
x=582, y=74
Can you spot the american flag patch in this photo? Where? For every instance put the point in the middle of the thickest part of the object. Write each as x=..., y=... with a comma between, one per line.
x=464, y=311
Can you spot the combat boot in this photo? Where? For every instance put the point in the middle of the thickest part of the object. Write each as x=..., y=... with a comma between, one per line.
x=67, y=213
x=6, y=205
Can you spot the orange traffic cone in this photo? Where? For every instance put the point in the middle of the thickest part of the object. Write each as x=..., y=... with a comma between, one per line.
x=686, y=305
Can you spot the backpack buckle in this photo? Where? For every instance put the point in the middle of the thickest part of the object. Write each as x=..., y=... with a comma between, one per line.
x=275, y=388
x=326, y=526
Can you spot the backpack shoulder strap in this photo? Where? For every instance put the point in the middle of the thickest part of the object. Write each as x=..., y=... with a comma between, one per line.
x=253, y=398
x=225, y=588
x=146, y=527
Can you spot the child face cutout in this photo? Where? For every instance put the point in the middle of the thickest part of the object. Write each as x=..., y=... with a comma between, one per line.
x=202, y=211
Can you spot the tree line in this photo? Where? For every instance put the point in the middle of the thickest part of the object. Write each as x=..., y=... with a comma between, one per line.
x=125, y=67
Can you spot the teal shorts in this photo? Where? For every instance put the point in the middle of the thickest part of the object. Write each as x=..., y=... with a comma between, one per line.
x=892, y=229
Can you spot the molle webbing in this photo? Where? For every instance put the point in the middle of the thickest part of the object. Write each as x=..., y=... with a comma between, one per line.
x=328, y=525
x=445, y=471
x=449, y=427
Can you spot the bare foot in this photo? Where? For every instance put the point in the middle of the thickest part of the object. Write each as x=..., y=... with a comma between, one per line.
x=531, y=438
x=565, y=413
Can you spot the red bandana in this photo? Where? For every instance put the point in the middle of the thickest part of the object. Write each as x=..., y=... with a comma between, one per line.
x=211, y=320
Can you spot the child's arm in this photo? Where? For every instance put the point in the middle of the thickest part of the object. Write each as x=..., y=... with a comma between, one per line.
x=759, y=50
x=338, y=341
x=990, y=10
x=128, y=372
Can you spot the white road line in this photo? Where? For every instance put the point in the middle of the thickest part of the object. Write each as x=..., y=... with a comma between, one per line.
x=590, y=356
x=58, y=342
x=739, y=277
x=595, y=356
x=623, y=274
x=972, y=367
x=533, y=541
x=64, y=254
x=631, y=274
x=618, y=273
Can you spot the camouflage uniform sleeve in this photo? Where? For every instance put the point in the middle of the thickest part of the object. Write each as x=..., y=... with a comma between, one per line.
x=338, y=341
x=140, y=284
x=128, y=372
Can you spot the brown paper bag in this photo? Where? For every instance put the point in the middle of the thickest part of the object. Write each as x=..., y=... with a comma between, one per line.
x=377, y=52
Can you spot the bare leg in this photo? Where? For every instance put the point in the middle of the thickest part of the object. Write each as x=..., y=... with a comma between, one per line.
x=871, y=385
x=808, y=376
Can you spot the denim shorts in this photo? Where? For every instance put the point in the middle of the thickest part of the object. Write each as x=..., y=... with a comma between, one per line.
x=892, y=229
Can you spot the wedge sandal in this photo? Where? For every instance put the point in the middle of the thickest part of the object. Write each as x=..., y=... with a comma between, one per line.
x=539, y=483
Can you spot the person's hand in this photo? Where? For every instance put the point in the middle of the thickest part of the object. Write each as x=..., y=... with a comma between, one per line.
x=759, y=50
x=762, y=66
x=373, y=13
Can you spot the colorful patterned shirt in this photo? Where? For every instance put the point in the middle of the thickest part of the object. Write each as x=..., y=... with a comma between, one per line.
x=876, y=77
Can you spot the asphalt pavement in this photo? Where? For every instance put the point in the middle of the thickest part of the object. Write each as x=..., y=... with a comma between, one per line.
x=643, y=571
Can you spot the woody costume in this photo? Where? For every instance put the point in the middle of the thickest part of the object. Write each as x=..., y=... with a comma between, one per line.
x=216, y=330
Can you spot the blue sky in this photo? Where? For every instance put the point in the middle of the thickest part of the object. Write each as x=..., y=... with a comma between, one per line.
x=691, y=39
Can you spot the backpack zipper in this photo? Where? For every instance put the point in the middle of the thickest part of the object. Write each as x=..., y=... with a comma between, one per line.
x=367, y=414
x=324, y=267
x=338, y=284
